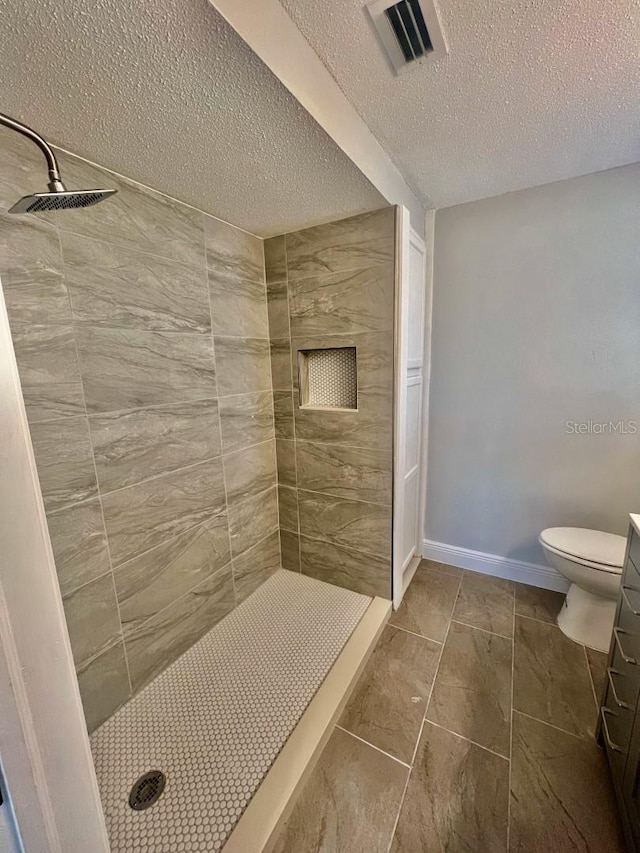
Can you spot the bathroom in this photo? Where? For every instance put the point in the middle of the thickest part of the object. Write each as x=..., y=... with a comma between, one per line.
x=310, y=431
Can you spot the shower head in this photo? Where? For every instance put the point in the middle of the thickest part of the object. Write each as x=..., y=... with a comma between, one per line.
x=58, y=197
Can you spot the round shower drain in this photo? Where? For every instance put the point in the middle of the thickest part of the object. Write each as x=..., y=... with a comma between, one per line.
x=147, y=790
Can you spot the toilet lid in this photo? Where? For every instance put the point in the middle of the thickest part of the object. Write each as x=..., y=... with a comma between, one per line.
x=593, y=545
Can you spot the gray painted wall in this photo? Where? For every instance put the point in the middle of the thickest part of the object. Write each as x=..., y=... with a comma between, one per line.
x=536, y=323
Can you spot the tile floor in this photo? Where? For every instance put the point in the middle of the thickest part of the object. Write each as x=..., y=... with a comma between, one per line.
x=471, y=729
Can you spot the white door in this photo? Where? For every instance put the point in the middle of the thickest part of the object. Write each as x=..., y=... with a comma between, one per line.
x=409, y=384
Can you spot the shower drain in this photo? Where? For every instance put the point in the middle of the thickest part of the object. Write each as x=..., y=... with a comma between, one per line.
x=147, y=790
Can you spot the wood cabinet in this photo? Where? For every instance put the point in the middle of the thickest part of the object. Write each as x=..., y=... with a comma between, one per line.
x=619, y=727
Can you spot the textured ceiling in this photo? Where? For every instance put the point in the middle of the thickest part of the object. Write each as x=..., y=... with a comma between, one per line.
x=165, y=92
x=532, y=91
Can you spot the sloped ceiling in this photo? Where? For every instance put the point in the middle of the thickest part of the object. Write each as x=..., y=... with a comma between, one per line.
x=165, y=92
x=532, y=91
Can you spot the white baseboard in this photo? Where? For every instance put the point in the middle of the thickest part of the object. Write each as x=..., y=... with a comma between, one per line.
x=491, y=564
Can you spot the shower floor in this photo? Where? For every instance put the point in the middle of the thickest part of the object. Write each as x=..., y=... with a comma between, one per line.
x=216, y=719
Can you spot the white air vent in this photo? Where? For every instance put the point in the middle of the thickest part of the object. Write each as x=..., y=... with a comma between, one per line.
x=409, y=31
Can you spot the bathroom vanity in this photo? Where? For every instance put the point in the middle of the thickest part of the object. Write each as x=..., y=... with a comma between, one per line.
x=619, y=726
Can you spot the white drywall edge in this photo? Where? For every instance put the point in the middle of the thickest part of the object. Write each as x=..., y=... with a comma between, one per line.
x=273, y=36
x=491, y=564
x=258, y=828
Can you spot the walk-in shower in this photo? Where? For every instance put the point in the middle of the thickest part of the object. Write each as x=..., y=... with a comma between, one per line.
x=58, y=197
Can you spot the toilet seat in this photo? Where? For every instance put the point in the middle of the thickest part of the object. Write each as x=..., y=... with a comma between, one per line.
x=595, y=549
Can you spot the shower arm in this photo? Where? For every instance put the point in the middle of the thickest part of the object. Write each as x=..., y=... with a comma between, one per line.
x=55, y=181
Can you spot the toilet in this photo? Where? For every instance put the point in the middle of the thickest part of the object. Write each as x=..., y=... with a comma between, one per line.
x=591, y=561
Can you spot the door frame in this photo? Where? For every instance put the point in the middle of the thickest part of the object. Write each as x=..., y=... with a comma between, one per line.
x=406, y=236
x=48, y=771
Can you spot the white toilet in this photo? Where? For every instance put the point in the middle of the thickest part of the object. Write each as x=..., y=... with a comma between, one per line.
x=592, y=562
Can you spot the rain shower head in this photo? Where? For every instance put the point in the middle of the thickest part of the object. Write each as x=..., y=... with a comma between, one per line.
x=58, y=197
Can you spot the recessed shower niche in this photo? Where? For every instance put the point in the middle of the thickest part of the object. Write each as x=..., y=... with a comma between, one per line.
x=328, y=378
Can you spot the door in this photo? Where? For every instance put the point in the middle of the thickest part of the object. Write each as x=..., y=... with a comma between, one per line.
x=410, y=369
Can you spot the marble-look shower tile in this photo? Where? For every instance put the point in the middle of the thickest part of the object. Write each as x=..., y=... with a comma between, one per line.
x=233, y=255
x=286, y=454
x=118, y=287
x=374, y=356
x=344, y=567
x=140, y=517
x=551, y=679
x=281, y=364
x=288, y=508
x=64, y=460
x=275, y=258
x=457, y=798
x=136, y=217
x=104, y=685
x=134, y=445
x=561, y=794
x=472, y=692
x=29, y=250
x=278, y=304
x=349, y=803
x=349, y=472
x=246, y=419
x=252, y=519
x=361, y=526
x=239, y=310
x=92, y=618
x=149, y=583
x=250, y=471
x=290, y=550
x=130, y=369
x=486, y=602
x=50, y=402
x=163, y=638
x=369, y=427
x=283, y=414
x=361, y=241
x=46, y=355
x=79, y=544
x=39, y=303
x=427, y=605
x=252, y=568
x=388, y=704
x=243, y=365
x=542, y=604
x=345, y=302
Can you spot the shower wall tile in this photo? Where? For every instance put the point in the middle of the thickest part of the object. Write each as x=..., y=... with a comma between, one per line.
x=249, y=471
x=350, y=472
x=290, y=548
x=355, y=243
x=283, y=414
x=149, y=583
x=38, y=303
x=49, y=402
x=369, y=427
x=281, y=363
x=118, y=287
x=92, y=618
x=46, y=355
x=64, y=460
x=131, y=446
x=159, y=641
x=275, y=259
x=142, y=516
x=288, y=507
x=243, y=365
x=29, y=249
x=233, y=255
x=252, y=519
x=246, y=419
x=342, y=303
x=353, y=524
x=286, y=454
x=127, y=369
x=256, y=565
x=136, y=218
x=79, y=543
x=239, y=308
x=345, y=567
x=278, y=304
x=104, y=685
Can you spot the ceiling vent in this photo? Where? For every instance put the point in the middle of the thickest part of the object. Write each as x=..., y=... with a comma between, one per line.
x=409, y=31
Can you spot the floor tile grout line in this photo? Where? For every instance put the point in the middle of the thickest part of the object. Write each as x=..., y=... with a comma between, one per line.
x=533, y=619
x=468, y=740
x=591, y=681
x=513, y=669
x=414, y=634
x=484, y=630
x=584, y=738
x=424, y=716
x=373, y=746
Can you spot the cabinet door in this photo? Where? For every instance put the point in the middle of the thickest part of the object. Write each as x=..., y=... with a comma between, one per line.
x=631, y=783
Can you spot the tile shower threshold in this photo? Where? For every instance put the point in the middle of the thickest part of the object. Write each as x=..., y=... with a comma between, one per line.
x=236, y=723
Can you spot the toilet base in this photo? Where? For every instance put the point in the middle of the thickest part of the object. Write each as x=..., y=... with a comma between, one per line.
x=587, y=618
